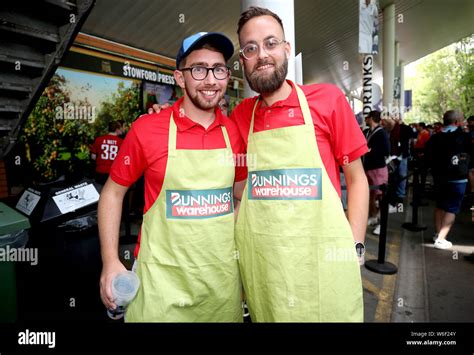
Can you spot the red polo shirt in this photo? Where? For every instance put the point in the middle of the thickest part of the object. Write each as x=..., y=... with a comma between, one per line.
x=145, y=148
x=339, y=138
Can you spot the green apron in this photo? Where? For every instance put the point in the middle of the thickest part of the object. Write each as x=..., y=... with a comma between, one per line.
x=296, y=250
x=187, y=261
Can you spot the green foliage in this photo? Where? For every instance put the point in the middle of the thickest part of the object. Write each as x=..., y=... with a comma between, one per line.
x=58, y=133
x=47, y=130
x=444, y=81
x=122, y=105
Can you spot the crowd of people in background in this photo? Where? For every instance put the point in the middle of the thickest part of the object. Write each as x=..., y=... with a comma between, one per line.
x=443, y=149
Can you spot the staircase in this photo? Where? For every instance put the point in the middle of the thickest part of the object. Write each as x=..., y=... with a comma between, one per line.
x=34, y=37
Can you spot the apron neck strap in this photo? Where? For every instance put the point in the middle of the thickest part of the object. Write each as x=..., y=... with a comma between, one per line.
x=253, y=115
x=172, y=137
x=226, y=137
x=303, y=105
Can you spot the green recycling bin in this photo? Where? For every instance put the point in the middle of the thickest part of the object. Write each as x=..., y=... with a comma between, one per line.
x=13, y=236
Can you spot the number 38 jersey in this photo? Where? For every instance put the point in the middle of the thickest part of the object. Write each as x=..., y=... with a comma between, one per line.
x=105, y=148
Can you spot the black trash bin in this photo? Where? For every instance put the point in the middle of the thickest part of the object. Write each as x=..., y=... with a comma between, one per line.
x=78, y=238
x=65, y=232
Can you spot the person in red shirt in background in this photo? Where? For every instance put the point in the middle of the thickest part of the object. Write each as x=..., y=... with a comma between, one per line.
x=423, y=136
x=105, y=150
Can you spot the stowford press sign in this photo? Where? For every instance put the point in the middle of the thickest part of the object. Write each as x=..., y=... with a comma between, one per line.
x=130, y=71
x=97, y=64
x=285, y=184
x=192, y=204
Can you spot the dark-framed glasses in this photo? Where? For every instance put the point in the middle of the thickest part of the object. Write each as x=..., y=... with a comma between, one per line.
x=251, y=50
x=199, y=72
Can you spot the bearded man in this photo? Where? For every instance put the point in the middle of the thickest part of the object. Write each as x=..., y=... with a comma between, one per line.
x=297, y=249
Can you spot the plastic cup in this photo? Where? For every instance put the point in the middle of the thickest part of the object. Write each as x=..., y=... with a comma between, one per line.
x=124, y=288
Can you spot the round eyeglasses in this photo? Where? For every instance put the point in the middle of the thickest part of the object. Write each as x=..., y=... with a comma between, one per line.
x=251, y=50
x=200, y=73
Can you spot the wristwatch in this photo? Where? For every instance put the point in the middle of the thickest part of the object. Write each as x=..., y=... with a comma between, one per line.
x=360, y=248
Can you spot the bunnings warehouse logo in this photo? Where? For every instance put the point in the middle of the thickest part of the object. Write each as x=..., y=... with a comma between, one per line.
x=285, y=184
x=198, y=203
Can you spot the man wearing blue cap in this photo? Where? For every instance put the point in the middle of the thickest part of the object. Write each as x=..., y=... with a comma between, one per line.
x=186, y=258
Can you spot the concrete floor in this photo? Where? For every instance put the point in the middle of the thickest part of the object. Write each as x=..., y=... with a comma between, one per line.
x=431, y=285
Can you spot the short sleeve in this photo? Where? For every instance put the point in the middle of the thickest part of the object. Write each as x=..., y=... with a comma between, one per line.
x=348, y=141
x=130, y=162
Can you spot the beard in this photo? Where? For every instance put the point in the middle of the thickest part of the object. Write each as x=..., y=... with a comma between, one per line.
x=201, y=103
x=265, y=84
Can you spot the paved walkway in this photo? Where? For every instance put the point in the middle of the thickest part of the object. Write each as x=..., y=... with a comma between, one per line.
x=431, y=285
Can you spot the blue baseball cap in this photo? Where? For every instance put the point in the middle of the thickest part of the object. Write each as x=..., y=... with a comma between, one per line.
x=216, y=39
